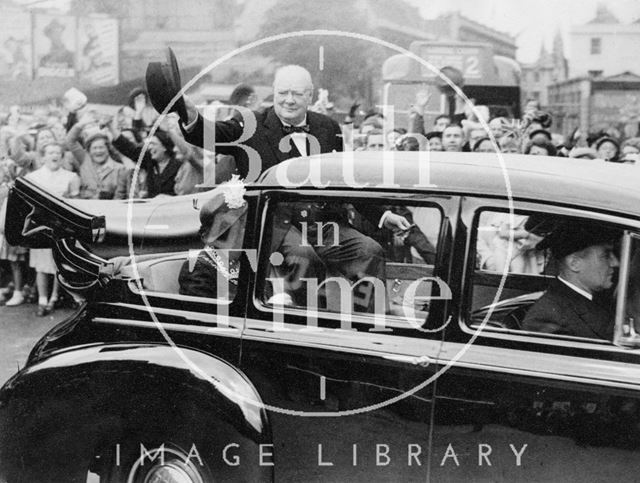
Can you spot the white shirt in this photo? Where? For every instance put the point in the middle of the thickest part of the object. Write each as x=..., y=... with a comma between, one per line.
x=299, y=138
x=582, y=292
x=60, y=182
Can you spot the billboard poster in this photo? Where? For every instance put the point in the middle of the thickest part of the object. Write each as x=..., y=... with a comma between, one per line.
x=98, y=50
x=15, y=45
x=54, y=45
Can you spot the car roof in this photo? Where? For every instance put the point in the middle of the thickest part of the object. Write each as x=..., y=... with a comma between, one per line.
x=595, y=183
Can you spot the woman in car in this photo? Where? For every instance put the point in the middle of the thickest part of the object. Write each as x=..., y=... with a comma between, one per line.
x=222, y=224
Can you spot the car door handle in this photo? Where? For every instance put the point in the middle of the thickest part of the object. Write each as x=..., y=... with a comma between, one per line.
x=423, y=360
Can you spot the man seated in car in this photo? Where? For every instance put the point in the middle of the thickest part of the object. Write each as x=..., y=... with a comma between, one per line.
x=586, y=263
x=317, y=241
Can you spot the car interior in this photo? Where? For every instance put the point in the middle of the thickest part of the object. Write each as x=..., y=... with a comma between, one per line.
x=409, y=283
x=404, y=267
x=528, y=273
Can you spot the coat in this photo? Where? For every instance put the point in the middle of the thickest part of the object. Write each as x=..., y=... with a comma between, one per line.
x=157, y=183
x=101, y=181
x=266, y=138
x=562, y=310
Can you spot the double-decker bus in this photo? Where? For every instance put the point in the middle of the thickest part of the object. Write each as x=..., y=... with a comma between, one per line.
x=490, y=80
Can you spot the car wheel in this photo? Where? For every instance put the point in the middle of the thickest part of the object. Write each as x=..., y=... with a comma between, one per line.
x=149, y=463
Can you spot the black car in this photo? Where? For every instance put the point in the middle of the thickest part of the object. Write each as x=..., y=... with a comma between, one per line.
x=426, y=372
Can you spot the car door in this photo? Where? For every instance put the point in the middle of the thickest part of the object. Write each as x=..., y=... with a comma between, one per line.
x=521, y=405
x=160, y=300
x=349, y=391
x=144, y=300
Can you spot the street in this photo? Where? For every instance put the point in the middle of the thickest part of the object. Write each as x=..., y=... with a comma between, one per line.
x=20, y=329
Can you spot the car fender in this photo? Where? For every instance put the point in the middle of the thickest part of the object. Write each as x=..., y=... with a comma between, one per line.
x=68, y=414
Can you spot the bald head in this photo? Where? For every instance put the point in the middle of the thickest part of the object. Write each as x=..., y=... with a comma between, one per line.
x=292, y=93
x=292, y=76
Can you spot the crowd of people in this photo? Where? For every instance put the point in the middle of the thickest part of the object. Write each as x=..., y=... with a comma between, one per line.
x=533, y=134
x=77, y=152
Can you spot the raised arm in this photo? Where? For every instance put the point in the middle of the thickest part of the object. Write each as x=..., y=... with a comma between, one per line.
x=225, y=131
x=126, y=147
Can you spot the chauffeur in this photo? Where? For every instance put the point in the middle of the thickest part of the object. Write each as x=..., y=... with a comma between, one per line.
x=586, y=264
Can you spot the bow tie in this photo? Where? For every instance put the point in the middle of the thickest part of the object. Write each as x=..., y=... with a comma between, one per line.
x=292, y=129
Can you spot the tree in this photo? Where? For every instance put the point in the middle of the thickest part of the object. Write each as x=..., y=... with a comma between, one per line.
x=350, y=65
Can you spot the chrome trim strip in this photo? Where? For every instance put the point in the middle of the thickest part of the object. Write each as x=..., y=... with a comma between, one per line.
x=411, y=350
x=548, y=339
x=133, y=286
x=393, y=347
x=185, y=314
x=495, y=359
x=393, y=321
x=577, y=379
x=234, y=332
x=544, y=365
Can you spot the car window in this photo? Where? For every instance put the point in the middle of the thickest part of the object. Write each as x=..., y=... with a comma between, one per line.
x=630, y=326
x=358, y=256
x=493, y=234
x=210, y=267
x=561, y=275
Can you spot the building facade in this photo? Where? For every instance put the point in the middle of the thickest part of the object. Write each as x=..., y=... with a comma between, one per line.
x=604, y=46
x=595, y=104
x=551, y=67
x=455, y=26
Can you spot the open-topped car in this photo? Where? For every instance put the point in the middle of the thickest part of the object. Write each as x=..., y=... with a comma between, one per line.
x=296, y=360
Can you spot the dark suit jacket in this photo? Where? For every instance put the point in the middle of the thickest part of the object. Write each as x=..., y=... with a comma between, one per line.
x=202, y=281
x=265, y=141
x=266, y=138
x=562, y=310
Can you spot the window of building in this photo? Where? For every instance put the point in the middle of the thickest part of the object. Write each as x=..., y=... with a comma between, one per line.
x=536, y=77
x=596, y=46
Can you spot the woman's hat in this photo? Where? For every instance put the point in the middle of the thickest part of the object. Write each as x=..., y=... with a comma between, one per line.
x=223, y=210
x=541, y=133
x=165, y=140
x=604, y=139
x=96, y=134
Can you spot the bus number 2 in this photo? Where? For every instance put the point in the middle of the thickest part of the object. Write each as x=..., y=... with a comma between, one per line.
x=472, y=65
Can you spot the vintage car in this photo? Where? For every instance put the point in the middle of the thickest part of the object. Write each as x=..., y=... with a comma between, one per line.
x=432, y=378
